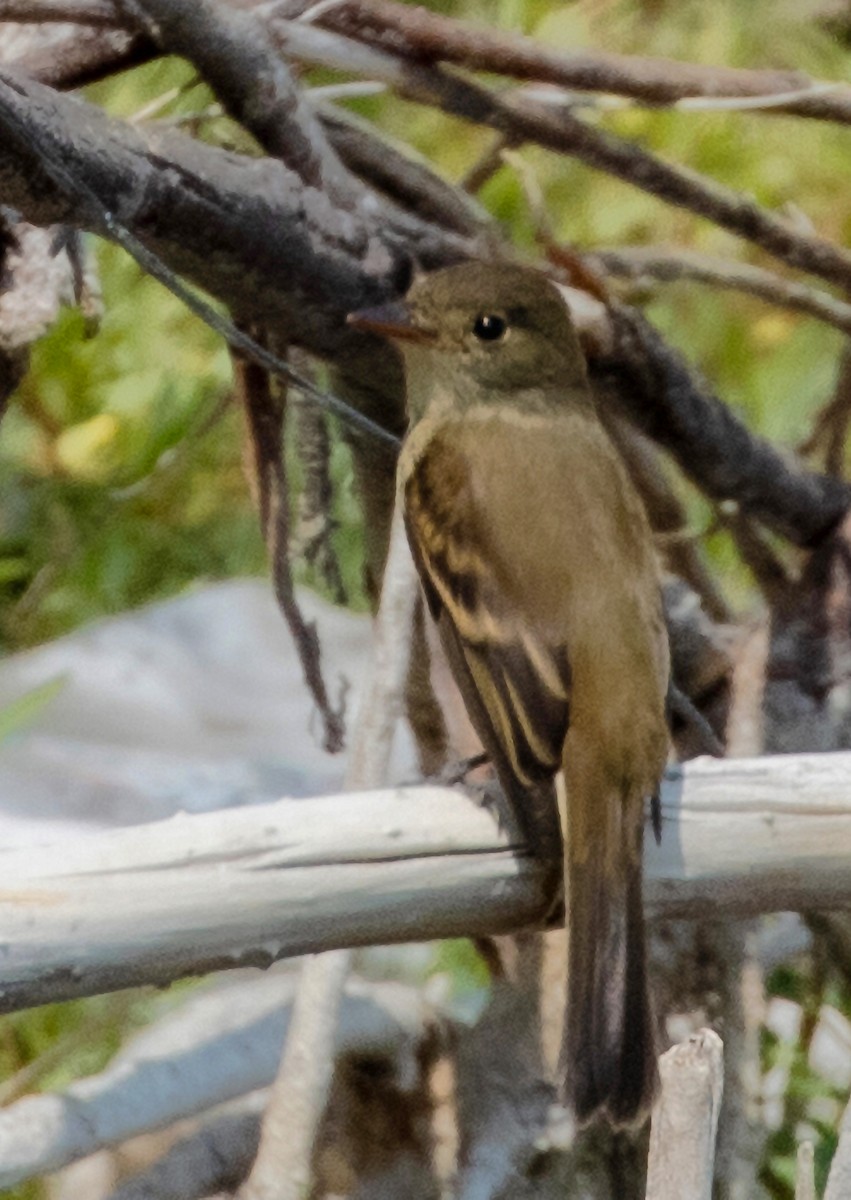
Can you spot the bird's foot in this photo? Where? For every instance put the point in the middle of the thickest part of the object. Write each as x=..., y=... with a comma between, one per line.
x=457, y=772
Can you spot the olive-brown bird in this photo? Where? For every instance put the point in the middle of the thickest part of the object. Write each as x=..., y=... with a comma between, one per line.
x=538, y=566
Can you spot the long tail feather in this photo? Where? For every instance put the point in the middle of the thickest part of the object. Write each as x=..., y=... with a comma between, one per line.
x=608, y=1053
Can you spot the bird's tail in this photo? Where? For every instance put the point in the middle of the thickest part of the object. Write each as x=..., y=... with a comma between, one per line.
x=608, y=1053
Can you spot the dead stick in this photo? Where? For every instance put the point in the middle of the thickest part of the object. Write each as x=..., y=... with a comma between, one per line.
x=839, y=1179
x=300, y=1093
x=685, y=1120
x=805, y=1180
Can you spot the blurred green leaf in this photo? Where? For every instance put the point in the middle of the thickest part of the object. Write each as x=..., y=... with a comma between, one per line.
x=25, y=711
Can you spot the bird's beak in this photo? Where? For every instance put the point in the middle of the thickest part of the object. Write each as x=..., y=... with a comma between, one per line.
x=393, y=320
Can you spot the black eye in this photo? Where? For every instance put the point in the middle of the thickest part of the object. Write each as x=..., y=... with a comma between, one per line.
x=490, y=327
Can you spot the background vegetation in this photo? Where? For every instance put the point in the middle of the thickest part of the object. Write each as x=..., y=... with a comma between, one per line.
x=121, y=476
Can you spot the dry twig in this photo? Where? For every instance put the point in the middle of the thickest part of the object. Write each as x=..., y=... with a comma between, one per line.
x=422, y=34
x=299, y=1095
x=264, y=406
x=805, y=1180
x=314, y=534
x=672, y=265
x=685, y=1120
x=830, y=428
x=519, y=120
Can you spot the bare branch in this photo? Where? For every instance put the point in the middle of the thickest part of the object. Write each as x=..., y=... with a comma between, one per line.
x=281, y=1170
x=82, y=12
x=671, y=266
x=392, y=169
x=383, y=700
x=222, y=1043
x=422, y=34
x=232, y=53
x=685, y=1120
x=219, y=890
x=671, y=405
x=680, y=186
x=81, y=56
x=237, y=226
x=519, y=120
x=758, y=555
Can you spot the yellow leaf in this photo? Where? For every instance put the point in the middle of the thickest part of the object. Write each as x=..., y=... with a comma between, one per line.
x=89, y=450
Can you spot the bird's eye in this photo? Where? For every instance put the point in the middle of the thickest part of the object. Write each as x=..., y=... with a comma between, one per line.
x=490, y=327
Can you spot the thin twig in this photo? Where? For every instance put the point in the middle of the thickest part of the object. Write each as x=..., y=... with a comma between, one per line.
x=830, y=428
x=299, y=1095
x=484, y=168
x=314, y=533
x=605, y=102
x=757, y=553
x=654, y=81
x=282, y=1168
x=519, y=120
x=264, y=410
x=430, y=36
x=391, y=168
x=672, y=265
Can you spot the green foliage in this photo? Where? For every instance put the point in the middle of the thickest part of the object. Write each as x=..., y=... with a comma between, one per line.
x=112, y=490
x=460, y=959
x=807, y=1097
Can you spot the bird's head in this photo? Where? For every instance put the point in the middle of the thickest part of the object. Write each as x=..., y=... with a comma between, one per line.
x=483, y=333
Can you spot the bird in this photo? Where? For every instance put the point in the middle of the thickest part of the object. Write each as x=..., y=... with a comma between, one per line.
x=538, y=566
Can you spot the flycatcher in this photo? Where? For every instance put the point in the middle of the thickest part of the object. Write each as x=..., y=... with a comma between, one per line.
x=538, y=566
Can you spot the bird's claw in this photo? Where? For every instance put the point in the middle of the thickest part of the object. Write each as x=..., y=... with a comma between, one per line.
x=456, y=772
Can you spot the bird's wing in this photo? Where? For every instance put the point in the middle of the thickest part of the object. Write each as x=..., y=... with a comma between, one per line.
x=515, y=686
